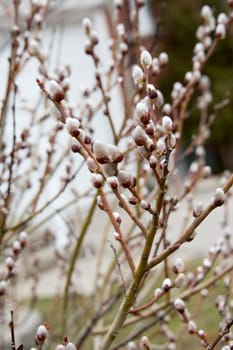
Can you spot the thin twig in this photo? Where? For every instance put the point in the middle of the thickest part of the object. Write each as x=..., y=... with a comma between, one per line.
x=184, y=237
x=9, y=181
x=117, y=228
x=119, y=266
x=73, y=261
x=12, y=329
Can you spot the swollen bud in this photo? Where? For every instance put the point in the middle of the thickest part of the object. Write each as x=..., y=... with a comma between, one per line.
x=145, y=343
x=70, y=346
x=10, y=263
x=145, y=205
x=92, y=167
x=139, y=136
x=115, y=155
x=145, y=59
x=117, y=217
x=219, y=197
x=97, y=180
x=180, y=280
x=192, y=328
x=73, y=126
x=23, y=238
x=60, y=347
x=152, y=92
x=87, y=25
x=55, y=91
x=117, y=236
x=206, y=12
x=167, y=284
x=141, y=114
x=75, y=147
x=101, y=152
x=166, y=123
x=137, y=75
x=179, y=305
x=160, y=146
x=198, y=209
x=179, y=266
x=41, y=334
x=3, y=286
x=126, y=179
x=163, y=59
x=16, y=247
x=131, y=345
x=157, y=293
x=113, y=182
x=220, y=31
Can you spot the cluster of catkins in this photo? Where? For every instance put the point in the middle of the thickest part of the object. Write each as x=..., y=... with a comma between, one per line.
x=154, y=127
x=12, y=253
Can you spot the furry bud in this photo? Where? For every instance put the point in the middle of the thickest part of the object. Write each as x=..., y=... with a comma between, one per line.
x=167, y=284
x=180, y=280
x=16, y=247
x=101, y=152
x=23, y=238
x=159, y=100
x=55, y=91
x=166, y=123
x=145, y=59
x=41, y=334
x=92, y=167
x=87, y=25
x=10, y=263
x=3, y=286
x=145, y=343
x=153, y=162
x=198, y=209
x=139, y=136
x=113, y=182
x=125, y=178
x=97, y=180
x=131, y=345
x=206, y=12
x=117, y=217
x=115, y=155
x=75, y=147
x=160, y=146
x=219, y=197
x=158, y=292
x=145, y=205
x=179, y=266
x=192, y=328
x=117, y=236
x=141, y=114
x=138, y=75
x=152, y=92
x=72, y=126
x=163, y=59
x=220, y=31
x=70, y=346
x=179, y=305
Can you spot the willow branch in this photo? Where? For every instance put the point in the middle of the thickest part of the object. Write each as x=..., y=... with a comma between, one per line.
x=138, y=277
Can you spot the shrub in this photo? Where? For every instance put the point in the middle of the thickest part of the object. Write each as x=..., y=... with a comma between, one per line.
x=145, y=295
